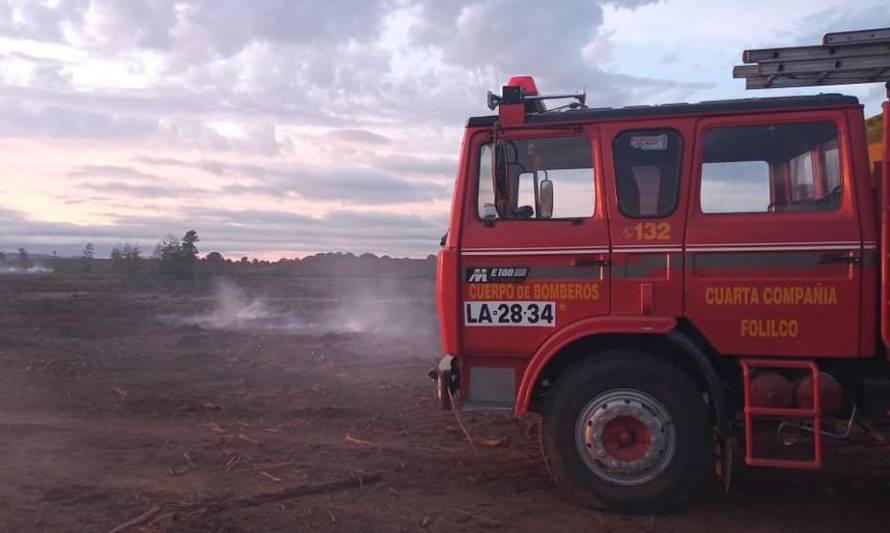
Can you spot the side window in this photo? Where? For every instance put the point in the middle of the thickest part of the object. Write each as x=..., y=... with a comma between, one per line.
x=647, y=172
x=485, y=205
x=561, y=167
x=771, y=168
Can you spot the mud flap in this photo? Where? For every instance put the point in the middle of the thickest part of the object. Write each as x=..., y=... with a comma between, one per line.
x=724, y=462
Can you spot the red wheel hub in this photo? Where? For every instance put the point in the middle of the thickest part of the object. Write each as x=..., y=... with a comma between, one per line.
x=626, y=438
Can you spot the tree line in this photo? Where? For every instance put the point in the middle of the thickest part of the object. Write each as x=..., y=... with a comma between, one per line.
x=175, y=256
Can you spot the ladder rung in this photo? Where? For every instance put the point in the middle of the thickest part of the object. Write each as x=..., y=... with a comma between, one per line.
x=810, y=66
x=781, y=411
x=813, y=80
x=795, y=53
x=784, y=463
x=857, y=36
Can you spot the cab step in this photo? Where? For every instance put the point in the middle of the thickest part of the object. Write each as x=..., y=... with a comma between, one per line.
x=757, y=412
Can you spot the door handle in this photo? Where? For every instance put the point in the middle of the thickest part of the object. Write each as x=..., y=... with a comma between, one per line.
x=828, y=259
x=584, y=262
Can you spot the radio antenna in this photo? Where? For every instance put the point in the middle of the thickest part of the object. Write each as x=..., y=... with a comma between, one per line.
x=494, y=57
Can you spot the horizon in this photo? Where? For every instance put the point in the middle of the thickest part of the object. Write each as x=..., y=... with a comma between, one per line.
x=12, y=255
x=127, y=122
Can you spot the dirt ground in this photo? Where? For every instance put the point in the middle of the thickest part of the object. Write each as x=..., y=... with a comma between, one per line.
x=121, y=397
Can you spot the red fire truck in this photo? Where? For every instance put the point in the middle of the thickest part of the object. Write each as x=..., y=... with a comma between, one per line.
x=657, y=280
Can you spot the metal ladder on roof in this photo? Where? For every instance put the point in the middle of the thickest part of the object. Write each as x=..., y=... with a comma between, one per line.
x=861, y=56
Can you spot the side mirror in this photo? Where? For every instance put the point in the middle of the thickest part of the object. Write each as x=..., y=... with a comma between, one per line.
x=545, y=198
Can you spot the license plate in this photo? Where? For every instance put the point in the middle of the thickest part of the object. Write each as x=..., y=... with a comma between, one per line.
x=510, y=313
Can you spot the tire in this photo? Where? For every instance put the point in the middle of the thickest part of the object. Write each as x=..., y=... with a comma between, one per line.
x=628, y=432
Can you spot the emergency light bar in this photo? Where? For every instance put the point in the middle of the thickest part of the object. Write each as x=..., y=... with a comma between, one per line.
x=522, y=89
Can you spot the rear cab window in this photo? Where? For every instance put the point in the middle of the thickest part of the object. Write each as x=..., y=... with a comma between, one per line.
x=771, y=168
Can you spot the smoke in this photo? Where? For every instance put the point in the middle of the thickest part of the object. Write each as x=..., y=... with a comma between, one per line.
x=233, y=310
x=346, y=306
x=14, y=270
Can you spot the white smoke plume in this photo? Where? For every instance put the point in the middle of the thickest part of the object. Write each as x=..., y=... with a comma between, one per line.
x=352, y=307
x=14, y=270
x=232, y=309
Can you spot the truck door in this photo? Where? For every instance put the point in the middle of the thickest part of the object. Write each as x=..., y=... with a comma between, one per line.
x=531, y=265
x=773, y=245
x=647, y=216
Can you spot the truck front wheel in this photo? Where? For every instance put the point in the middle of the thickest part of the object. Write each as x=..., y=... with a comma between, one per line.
x=628, y=432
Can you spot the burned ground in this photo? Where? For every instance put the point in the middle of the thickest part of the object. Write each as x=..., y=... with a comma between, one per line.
x=121, y=396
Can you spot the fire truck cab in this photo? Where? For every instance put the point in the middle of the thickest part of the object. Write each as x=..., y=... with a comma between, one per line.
x=654, y=280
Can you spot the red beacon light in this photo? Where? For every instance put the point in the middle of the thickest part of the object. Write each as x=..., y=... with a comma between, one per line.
x=526, y=83
x=524, y=90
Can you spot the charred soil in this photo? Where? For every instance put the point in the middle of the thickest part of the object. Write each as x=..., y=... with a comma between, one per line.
x=136, y=399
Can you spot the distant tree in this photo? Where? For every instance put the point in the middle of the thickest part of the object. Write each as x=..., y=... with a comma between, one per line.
x=24, y=260
x=127, y=258
x=87, y=255
x=178, y=256
x=214, y=257
x=131, y=253
x=244, y=260
x=2, y=257
x=187, y=248
x=168, y=249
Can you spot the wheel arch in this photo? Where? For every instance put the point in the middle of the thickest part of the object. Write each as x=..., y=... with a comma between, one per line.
x=673, y=341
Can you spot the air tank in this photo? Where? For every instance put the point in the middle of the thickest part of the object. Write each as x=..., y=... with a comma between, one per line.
x=771, y=389
x=831, y=393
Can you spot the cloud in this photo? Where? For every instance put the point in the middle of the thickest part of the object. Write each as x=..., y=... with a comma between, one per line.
x=114, y=25
x=357, y=136
x=117, y=119
x=145, y=190
x=255, y=139
x=38, y=20
x=201, y=29
x=114, y=171
x=46, y=74
x=226, y=27
x=521, y=37
x=810, y=29
x=211, y=167
x=326, y=62
x=229, y=231
x=325, y=107
x=442, y=166
x=20, y=120
x=344, y=184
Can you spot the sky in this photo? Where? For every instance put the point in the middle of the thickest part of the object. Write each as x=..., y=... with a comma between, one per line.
x=281, y=128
